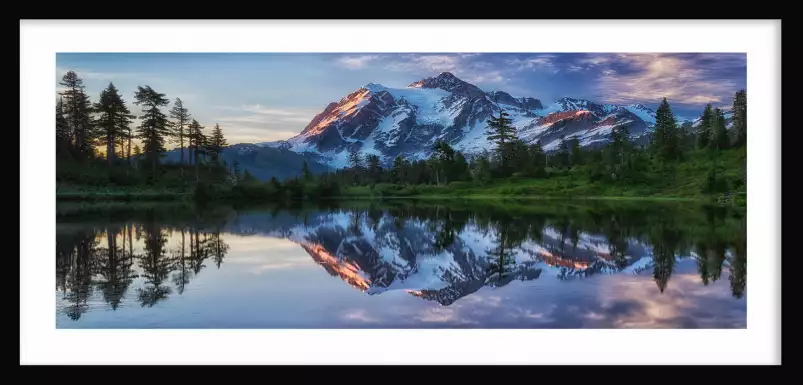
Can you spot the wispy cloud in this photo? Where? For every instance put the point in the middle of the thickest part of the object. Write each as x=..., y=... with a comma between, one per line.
x=681, y=79
x=595, y=59
x=542, y=62
x=415, y=62
x=356, y=62
x=260, y=123
x=110, y=76
x=486, y=77
x=467, y=66
x=359, y=315
x=264, y=110
x=259, y=113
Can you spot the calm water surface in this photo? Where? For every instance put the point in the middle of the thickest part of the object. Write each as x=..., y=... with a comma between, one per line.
x=403, y=265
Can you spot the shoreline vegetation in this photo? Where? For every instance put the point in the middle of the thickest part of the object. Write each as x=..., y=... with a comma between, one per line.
x=95, y=161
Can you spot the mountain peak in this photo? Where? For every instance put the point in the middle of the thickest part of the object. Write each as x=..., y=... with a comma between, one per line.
x=640, y=106
x=568, y=103
x=570, y=99
x=443, y=80
x=374, y=87
x=448, y=82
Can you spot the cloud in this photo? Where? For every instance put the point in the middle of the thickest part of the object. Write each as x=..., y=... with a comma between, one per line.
x=595, y=59
x=466, y=66
x=487, y=77
x=356, y=62
x=543, y=62
x=438, y=315
x=359, y=315
x=684, y=79
x=258, y=123
x=284, y=114
x=415, y=62
x=255, y=132
x=110, y=76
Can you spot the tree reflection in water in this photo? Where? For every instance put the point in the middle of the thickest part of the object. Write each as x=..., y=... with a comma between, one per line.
x=490, y=245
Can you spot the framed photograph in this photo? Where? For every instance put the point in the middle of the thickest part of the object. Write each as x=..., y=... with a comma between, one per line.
x=442, y=192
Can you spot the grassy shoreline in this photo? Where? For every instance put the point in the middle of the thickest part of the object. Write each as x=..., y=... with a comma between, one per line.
x=159, y=196
x=685, y=181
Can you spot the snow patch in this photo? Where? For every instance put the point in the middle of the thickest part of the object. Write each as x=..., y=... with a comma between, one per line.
x=645, y=114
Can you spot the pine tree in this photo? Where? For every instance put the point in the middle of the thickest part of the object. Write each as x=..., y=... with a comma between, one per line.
x=200, y=146
x=563, y=152
x=740, y=117
x=62, y=130
x=460, y=167
x=483, y=168
x=576, y=152
x=275, y=183
x=373, y=167
x=112, y=119
x=355, y=161
x=397, y=170
x=216, y=144
x=305, y=171
x=154, y=127
x=124, y=121
x=235, y=167
x=137, y=151
x=666, y=136
x=704, y=129
x=537, y=160
x=181, y=120
x=501, y=132
x=247, y=177
x=196, y=140
x=519, y=156
x=620, y=141
x=77, y=111
x=720, y=132
x=443, y=161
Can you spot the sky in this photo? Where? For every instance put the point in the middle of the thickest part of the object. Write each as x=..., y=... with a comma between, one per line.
x=261, y=97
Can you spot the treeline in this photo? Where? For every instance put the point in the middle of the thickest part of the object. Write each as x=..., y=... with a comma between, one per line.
x=83, y=126
x=620, y=161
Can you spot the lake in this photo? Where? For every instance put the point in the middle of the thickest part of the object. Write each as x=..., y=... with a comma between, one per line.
x=552, y=264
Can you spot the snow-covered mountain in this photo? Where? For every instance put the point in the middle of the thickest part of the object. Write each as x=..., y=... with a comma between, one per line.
x=727, y=114
x=392, y=122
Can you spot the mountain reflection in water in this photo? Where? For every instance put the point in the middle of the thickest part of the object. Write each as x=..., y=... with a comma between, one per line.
x=441, y=254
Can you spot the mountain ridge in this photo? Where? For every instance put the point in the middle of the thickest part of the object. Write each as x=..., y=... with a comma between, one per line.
x=391, y=122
